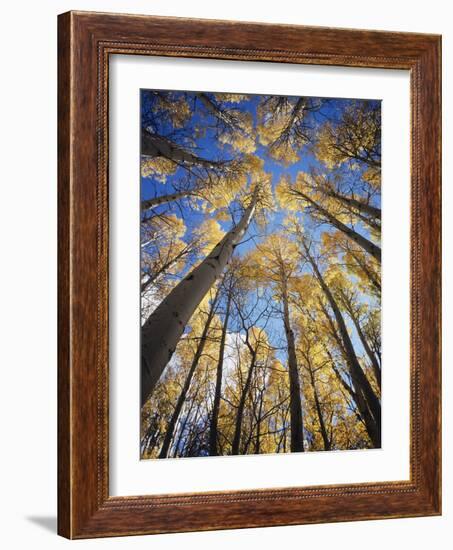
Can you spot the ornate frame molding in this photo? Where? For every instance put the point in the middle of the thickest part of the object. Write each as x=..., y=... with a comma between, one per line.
x=86, y=40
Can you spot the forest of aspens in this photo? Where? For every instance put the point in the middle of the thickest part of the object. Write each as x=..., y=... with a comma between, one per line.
x=260, y=274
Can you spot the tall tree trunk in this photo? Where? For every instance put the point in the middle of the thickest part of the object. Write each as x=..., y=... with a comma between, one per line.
x=241, y=405
x=218, y=112
x=322, y=424
x=164, y=327
x=154, y=145
x=373, y=279
x=357, y=394
x=180, y=431
x=182, y=397
x=258, y=423
x=366, y=220
x=146, y=204
x=371, y=356
x=363, y=207
x=367, y=399
x=345, y=385
x=177, y=447
x=298, y=107
x=213, y=432
x=367, y=245
x=297, y=427
x=343, y=382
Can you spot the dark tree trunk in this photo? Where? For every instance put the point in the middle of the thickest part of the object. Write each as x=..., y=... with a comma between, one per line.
x=342, y=381
x=297, y=427
x=146, y=204
x=258, y=424
x=221, y=114
x=213, y=432
x=241, y=405
x=365, y=415
x=371, y=356
x=373, y=280
x=372, y=211
x=367, y=245
x=298, y=107
x=367, y=401
x=322, y=425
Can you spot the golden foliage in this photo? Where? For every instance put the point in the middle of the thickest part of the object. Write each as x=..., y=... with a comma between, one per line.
x=209, y=233
x=278, y=117
x=355, y=138
x=157, y=167
x=231, y=98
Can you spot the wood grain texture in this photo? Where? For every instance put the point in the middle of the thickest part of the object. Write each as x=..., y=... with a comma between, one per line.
x=85, y=42
x=64, y=371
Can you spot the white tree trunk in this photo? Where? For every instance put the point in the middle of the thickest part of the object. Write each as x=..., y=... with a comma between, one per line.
x=154, y=145
x=146, y=204
x=163, y=329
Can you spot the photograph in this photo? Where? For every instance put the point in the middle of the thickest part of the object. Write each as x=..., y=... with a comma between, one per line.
x=260, y=279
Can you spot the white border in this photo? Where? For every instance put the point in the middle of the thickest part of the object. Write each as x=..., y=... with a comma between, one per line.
x=129, y=475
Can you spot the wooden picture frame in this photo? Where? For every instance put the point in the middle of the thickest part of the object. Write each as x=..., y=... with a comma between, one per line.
x=85, y=41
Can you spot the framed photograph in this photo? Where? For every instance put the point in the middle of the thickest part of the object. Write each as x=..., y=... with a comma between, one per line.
x=249, y=275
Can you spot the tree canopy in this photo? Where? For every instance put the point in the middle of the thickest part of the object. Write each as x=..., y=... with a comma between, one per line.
x=260, y=274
